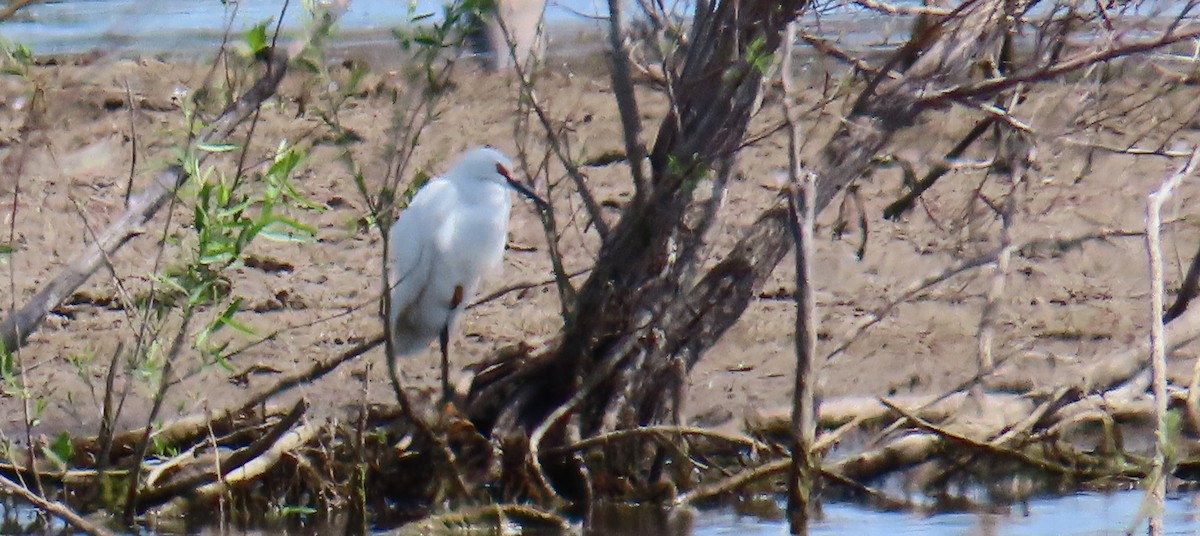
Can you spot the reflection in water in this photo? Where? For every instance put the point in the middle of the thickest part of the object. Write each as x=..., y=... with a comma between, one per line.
x=1084, y=514
x=629, y=520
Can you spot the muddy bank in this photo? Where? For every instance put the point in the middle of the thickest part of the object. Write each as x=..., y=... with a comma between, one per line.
x=72, y=164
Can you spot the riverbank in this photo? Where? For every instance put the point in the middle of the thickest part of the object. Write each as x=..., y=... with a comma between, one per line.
x=323, y=300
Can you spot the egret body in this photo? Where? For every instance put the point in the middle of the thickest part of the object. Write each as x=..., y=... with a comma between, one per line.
x=451, y=235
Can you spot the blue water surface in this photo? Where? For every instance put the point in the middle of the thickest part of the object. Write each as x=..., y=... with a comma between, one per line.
x=1084, y=514
x=179, y=25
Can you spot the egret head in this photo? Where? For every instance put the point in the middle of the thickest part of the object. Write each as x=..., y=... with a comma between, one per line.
x=489, y=164
x=484, y=163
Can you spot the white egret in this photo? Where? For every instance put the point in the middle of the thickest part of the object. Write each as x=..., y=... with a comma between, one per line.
x=451, y=235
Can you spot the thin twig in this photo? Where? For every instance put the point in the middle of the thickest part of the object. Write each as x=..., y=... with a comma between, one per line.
x=577, y=177
x=654, y=431
x=986, y=333
x=133, y=141
x=996, y=85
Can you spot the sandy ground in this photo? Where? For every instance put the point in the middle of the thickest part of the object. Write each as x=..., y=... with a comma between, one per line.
x=72, y=167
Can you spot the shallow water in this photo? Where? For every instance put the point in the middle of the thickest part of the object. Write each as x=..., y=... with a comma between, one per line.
x=1091, y=514
x=181, y=25
x=1084, y=514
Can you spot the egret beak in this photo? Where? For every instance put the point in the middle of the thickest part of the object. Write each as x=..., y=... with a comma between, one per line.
x=521, y=189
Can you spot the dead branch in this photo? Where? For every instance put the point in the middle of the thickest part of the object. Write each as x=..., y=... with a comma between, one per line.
x=1047, y=72
x=12, y=7
x=735, y=482
x=658, y=431
x=802, y=481
x=892, y=9
x=184, y=430
x=869, y=410
x=989, y=446
x=290, y=441
x=1188, y=289
x=54, y=508
x=1107, y=372
x=201, y=474
x=1157, y=491
x=907, y=201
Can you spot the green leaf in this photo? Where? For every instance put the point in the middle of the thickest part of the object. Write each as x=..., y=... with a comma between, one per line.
x=216, y=147
x=256, y=37
x=238, y=326
x=219, y=257
x=293, y=510
x=427, y=41
x=226, y=318
x=281, y=229
x=7, y=363
x=62, y=449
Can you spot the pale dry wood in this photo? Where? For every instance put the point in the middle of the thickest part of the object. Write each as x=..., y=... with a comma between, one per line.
x=802, y=479
x=835, y=412
x=1157, y=491
x=292, y=440
x=183, y=430
x=202, y=471
x=659, y=432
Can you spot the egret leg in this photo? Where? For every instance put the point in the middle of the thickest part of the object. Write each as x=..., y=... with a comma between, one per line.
x=444, y=339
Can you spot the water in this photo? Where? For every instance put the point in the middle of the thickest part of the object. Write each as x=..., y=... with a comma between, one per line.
x=1085, y=514
x=182, y=25
x=197, y=26
x=1090, y=514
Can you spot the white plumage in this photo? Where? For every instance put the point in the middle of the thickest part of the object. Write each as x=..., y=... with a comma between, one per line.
x=451, y=235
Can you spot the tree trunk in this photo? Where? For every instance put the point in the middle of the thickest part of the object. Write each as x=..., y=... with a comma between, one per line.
x=638, y=325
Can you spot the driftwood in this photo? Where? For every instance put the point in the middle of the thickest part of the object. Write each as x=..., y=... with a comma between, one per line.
x=180, y=431
x=204, y=473
x=185, y=497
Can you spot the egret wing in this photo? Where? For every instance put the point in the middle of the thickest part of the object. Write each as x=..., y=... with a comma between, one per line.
x=411, y=243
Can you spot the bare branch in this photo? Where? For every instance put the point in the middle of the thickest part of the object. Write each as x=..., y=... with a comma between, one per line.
x=54, y=508
x=626, y=101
